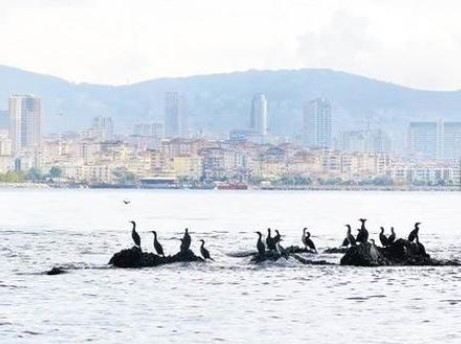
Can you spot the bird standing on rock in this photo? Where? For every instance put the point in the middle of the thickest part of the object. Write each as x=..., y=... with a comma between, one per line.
x=157, y=246
x=205, y=253
x=414, y=233
x=186, y=239
x=260, y=245
x=270, y=241
x=362, y=237
x=135, y=235
x=421, y=249
x=307, y=241
x=277, y=237
x=391, y=238
x=383, y=238
x=349, y=239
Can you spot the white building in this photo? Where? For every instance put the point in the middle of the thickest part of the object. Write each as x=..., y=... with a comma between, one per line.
x=25, y=122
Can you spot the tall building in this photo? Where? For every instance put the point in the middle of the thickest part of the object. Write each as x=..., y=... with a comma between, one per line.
x=102, y=128
x=317, y=123
x=452, y=140
x=365, y=141
x=423, y=140
x=175, y=115
x=258, y=118
x=25, y=122
x=435, y=140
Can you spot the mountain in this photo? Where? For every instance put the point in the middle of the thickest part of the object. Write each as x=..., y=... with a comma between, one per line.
x=221, y=102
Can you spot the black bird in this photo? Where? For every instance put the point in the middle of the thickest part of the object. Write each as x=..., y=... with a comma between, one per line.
x=126, y=202
x=421, y=249
x=186, y=239
x=362, y=237
x=182, y=247
x=135, y=235
x=308, y=242
x=260, y=245
x=205, y=253
x=414, y=232
x=270, y=241
x=278, y=237
x=349, y=239
x=383, y=238
x=157, y=246
x=391, y=238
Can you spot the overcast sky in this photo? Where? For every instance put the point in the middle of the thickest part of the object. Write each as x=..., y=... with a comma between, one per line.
x=416, y=43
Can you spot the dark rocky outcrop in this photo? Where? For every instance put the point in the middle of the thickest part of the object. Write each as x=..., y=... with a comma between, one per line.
x=400, y=253
x=135, y=258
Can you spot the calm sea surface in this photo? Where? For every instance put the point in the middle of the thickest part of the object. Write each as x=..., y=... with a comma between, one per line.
x=229, y=300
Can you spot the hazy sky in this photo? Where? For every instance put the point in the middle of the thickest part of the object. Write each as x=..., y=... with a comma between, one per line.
x=412, y=42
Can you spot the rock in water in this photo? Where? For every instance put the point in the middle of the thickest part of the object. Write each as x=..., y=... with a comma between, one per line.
x=135, y=258
x=361, y=255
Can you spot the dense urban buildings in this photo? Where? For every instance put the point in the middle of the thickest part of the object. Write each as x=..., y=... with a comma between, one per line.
x=175, y=115
x=25, y=118
x=317, y=123
x=98, y=155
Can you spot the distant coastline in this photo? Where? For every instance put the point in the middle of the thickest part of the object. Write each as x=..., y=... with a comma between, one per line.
x=250, y=188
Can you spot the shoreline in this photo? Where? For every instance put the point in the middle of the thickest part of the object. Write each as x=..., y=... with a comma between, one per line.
x=250, y=188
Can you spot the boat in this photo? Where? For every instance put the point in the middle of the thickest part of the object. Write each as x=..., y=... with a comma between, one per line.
x=232, y=186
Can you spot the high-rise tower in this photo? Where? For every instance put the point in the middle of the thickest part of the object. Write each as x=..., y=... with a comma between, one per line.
x=175, y=115
x=25, y=122
x=317, y=123
x=258, y=118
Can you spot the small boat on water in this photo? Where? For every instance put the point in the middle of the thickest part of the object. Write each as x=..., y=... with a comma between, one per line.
x=231, y=186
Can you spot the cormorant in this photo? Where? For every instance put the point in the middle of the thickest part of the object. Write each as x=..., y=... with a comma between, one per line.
x=277, y=237
x=391, y=238
x=270, y=241
x=135, y=235
x=308, y=242
x=260, y=245
x=383, y=238
x=157, y=246
x=186, y=239
x=183, y=247
x=362, y=237
x=421, y=248
x=414, y=232
x=349, y=239
x=374, y=252
x=205, y=253
x=303, y=237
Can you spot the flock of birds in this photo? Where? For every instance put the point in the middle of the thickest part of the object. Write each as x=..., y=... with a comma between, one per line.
x=272, y=243
x=386, y=241
x=186, y=241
